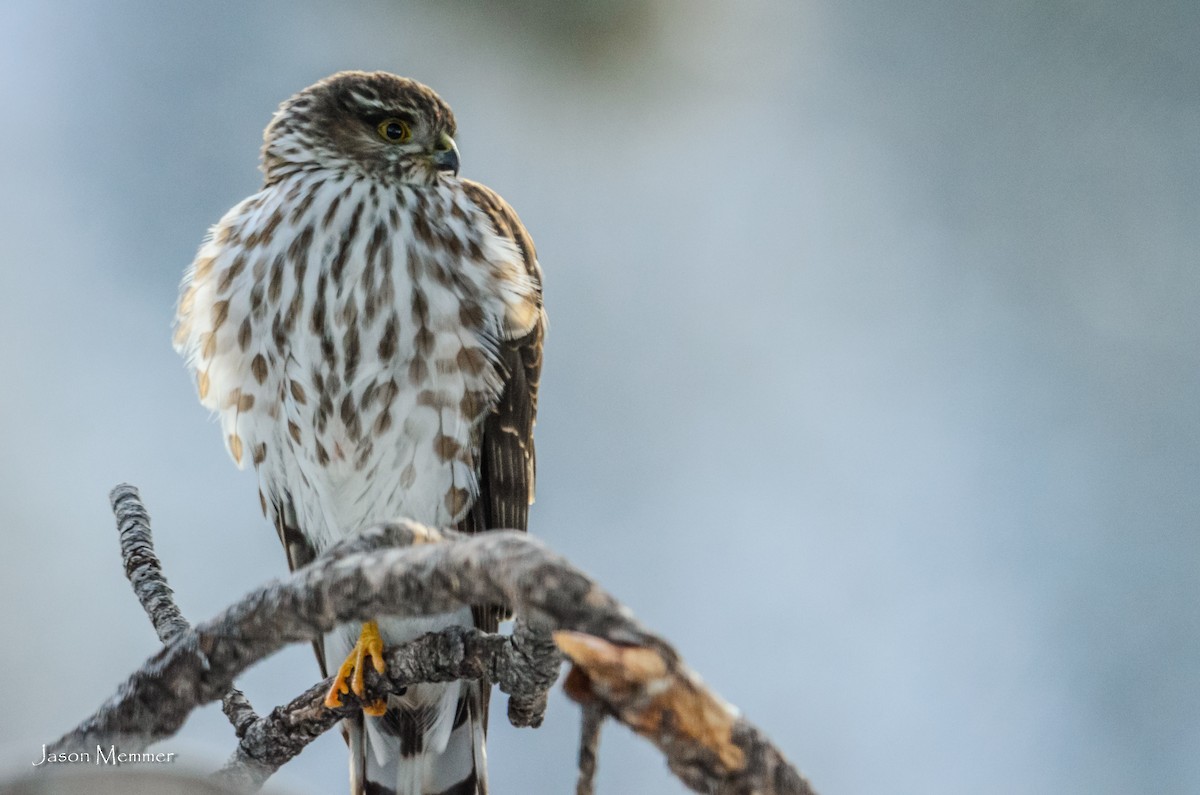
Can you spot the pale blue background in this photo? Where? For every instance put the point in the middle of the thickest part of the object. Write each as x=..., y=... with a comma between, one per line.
x=872, y=377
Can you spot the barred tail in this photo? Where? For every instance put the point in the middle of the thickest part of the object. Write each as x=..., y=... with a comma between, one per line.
x=431, y=745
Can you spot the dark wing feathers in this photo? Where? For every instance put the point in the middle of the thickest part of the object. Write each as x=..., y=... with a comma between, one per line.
x=507, y=463
x=298, y=550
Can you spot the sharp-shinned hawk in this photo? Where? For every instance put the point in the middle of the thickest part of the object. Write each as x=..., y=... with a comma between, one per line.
x=368, y=327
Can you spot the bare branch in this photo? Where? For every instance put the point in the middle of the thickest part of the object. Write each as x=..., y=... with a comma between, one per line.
x=528, y=673
x=144, y=572
x=237, y=708
x=621, y=670
x=525, y=666
x=141, y=564
x=708, y=745
x=276, y=738
x=589, y=747
x=454, y=653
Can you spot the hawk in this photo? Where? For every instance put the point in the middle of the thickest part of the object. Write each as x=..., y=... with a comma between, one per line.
x=368, y=328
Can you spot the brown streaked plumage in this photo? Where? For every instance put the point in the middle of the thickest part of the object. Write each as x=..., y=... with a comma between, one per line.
x=369, y=328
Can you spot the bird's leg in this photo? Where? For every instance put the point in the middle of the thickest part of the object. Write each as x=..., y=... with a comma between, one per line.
x=350, y=677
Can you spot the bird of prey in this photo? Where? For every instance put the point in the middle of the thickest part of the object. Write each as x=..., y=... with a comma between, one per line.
x=368, y=328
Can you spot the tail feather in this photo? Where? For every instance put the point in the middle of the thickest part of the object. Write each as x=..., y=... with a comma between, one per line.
x=433, y=750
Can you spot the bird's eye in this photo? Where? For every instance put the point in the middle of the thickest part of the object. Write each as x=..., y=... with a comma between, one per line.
x=394, y=131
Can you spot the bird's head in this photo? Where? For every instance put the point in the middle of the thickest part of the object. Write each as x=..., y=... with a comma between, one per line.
x=386, y=126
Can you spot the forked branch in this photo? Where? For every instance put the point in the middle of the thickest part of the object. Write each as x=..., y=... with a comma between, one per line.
x=405, y=569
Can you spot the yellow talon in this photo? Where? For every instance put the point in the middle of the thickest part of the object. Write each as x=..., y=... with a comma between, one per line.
x=351, y=676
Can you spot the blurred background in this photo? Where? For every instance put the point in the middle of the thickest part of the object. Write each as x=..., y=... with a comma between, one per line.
x=872, y=378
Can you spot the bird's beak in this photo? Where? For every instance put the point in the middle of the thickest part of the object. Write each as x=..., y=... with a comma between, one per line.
x=445, y=157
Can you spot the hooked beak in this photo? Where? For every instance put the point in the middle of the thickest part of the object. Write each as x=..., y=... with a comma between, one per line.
x=445, y=157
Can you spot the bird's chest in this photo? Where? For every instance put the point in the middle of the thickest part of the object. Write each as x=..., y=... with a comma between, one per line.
x=385, y=345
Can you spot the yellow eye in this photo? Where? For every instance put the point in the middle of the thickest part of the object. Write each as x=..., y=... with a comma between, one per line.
x=394, y=131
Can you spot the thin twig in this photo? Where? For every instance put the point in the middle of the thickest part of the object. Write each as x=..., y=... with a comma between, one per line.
x=531, y=670
x=141, y=564
x=144, y=572
x=237, y=708
x=589, y=746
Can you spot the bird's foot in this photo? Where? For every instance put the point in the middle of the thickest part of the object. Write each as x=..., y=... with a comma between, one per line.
x=350, y=677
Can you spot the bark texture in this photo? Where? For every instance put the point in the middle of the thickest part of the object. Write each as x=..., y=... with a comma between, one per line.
x=620, y=669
